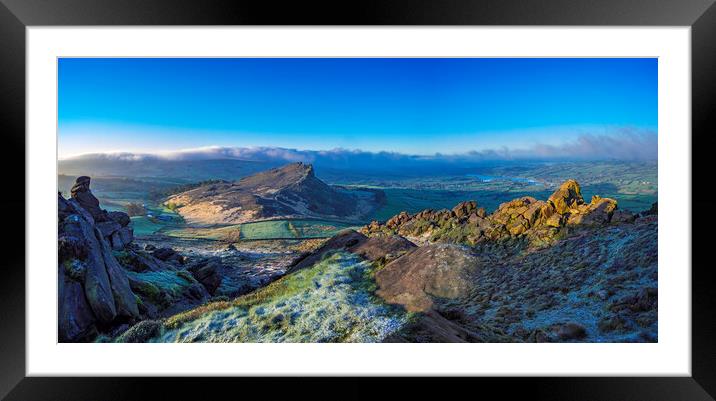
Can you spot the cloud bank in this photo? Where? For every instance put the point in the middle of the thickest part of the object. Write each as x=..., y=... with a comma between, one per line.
x=626, y=146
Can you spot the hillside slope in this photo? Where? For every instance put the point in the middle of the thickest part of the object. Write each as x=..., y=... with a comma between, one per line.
x=291, y=191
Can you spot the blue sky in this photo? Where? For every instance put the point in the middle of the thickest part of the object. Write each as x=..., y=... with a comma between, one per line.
x=414, y=106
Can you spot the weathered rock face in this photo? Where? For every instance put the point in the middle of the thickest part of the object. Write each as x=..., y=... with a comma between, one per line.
x=107, y=228
x=382, y=249
x=567, y=197
x=343, y=240
x=167, y=255
x=124, y=299
x=378, y=249
x=76, y=319
x=113, y=226
x=437, y=270
x=93, y=288
x=106, y=283
x=81, y=233
x=464, y=209
x=83, y=195
x=518, y=216
x=540, y=222
x=598, y=212
x=207, y=272
x=140, y=262
x=122, y=237
x=120, y=217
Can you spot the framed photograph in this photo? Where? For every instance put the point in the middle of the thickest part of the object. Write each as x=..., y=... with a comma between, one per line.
x=478, y=190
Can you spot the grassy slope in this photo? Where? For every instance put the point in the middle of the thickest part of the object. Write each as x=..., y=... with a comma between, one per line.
x=330, y=302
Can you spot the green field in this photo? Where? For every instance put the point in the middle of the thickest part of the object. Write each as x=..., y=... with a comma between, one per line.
x=276, y=229
x=261, y=230
x=145, y=225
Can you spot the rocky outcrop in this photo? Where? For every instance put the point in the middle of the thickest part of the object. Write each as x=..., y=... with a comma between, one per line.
x=437, y=270
x=168, y=255
x=106, y=282
x=382, y=249
x=540, y=222
x=207, y=272
x=139, y=261
x=120, y=218
x=94, y=291
x=82, y=194
x=344, y=239
x=114, y=226
x=76, y=320
x=567, y=197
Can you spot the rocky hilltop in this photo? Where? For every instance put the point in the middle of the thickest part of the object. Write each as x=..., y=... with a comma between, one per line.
x=540, y=222
x=288, y=192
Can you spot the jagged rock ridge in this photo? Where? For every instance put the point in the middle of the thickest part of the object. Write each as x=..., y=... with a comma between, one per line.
x=541, y=222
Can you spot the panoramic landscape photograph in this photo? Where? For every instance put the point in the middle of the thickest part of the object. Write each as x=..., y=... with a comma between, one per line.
x=395, y=200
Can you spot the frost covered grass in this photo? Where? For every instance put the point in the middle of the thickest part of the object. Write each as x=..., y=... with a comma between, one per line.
x=162, y=288
x=603, y=280
x=332, y=301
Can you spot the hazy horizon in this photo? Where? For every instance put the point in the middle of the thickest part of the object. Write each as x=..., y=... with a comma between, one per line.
x=631, y=146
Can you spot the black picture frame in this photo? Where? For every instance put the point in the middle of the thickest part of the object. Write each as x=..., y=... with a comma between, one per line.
x=16, y=15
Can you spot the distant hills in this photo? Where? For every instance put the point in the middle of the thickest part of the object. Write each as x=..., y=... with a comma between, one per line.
x=98, y=165
x=290, y=191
